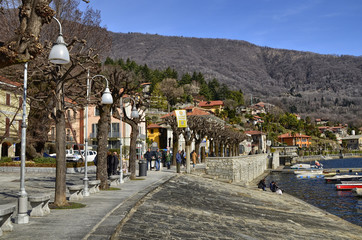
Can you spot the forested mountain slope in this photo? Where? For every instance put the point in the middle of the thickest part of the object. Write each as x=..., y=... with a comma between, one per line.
x=312, y=84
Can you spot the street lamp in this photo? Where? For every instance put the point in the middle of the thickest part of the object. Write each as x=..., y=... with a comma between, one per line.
x=135, y=115
x=58, y=55
x=187, y=138
x=106, y=99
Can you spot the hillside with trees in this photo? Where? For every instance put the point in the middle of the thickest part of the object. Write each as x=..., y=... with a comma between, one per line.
x=314, y=85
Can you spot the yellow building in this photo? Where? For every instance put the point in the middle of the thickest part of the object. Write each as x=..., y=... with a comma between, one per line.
x=212, y=105
x=157, y=134
x=10, y=117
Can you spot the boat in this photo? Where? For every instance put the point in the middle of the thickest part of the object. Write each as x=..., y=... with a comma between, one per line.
x=339, y=178
x=311, y=171
x=301, y=166
x=306, y=176
x=348, y=185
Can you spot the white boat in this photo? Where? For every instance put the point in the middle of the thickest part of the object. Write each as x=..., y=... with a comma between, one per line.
x=310, y=172
x=301, y=166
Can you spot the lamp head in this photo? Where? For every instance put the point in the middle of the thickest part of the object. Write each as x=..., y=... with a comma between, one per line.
x=59, y=53
x=134, y=113
x=107, y=97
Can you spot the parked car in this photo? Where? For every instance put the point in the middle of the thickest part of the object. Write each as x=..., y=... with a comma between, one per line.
x=73, y=155
x=91, y=155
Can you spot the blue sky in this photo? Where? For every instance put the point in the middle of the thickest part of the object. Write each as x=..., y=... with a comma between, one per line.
x=321, y=26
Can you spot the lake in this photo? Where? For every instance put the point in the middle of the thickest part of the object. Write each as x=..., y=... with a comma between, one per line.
x=322, y=195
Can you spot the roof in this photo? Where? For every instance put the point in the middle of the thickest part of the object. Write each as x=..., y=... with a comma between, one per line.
x=7, y=81
x=254, y=133
x=210, y=103
x=289, y=135
x=350, y=137
x=194, y=112
x=154, y=125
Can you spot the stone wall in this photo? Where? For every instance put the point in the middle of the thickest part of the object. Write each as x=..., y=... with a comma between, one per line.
x=243, y=169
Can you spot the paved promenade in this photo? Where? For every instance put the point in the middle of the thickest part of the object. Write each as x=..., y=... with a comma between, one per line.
x=167, y=205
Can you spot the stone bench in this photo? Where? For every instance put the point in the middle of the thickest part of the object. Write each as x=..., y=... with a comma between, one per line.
x=76, y=192
x=94, y=186
x=39, y=204
x=6, y=211
x=114, y=180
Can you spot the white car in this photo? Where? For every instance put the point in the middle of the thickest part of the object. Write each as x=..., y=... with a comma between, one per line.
x=91, y=155
x=72, y=155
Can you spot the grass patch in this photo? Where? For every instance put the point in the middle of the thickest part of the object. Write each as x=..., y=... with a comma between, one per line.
x=70, y=205
x=111, y=189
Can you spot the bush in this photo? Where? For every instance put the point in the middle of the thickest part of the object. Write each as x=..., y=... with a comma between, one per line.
x=44, y=160
x=5, y=159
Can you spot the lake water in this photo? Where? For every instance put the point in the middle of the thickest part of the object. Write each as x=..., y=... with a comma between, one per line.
x=322, y=195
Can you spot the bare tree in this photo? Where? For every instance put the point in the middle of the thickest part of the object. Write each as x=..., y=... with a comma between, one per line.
x=171, y=91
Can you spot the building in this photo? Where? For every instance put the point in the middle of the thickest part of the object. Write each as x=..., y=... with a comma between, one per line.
x=352, y=142
x=75, y=130
x=300, y=140
x=258, y=141
x=212, y=105
x=157, y=134
x=10, y=117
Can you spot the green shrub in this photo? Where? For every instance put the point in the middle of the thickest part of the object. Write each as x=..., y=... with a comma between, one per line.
x=44, y=160
x=5, y=159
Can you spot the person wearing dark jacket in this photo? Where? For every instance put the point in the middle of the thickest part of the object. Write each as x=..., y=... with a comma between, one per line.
x=262, y=184
x=115, y=163
x=109, y=163
x=148, y=157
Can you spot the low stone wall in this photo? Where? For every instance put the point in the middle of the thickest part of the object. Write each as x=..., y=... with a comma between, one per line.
x=90, y=169
x=243, y=169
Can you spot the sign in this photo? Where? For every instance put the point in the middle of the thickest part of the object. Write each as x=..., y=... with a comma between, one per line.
x=181, y=118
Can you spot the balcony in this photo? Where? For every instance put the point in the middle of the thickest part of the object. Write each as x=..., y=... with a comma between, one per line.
x=110, y=135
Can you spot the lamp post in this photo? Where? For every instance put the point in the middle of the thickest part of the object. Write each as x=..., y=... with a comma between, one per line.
x=134, y=114
x=58, y=55
x=106, y=99
x=187, y=139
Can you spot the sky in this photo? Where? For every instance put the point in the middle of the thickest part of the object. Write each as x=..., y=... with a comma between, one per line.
x=320, y=26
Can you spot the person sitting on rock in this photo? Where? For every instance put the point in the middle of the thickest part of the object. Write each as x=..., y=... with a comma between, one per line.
x=262, y=184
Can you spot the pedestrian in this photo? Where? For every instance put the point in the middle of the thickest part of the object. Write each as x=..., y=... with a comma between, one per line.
x=194, y=158
x=178, y=160
x=163, y=158
x=115, y=163
x=168, y=159
x=158, y=159
x=148, y=157
x=271, y=184
x=109, y=163
x=183, y=158
x=262, y=184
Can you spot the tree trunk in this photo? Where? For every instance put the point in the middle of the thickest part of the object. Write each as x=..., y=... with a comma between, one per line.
x=216, y=149
x=102, y=138
x=61, y=168
x=211, y=146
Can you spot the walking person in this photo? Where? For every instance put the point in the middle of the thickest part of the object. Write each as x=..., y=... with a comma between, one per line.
x=183, y=158
x=148, y=157
x=168, y=159
x=178, y=160
x=194, y=158
x=158, y=159
x=109, y=163
x=115, y=163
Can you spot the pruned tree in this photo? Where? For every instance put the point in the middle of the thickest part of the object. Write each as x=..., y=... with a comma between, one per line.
x=24, y=44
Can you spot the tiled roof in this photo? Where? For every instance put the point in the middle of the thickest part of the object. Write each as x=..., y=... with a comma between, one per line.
x=154, y=125
x=210, y=103
x=5, y=80
x=254, y=132
x=195, y=112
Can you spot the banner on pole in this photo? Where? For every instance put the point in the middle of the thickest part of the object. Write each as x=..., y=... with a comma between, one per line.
x=181, y=118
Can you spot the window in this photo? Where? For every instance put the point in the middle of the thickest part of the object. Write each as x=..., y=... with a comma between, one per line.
x=8, y=99
x=115, y=127
x=151, y=131
x=96, y=111
x=94, y=128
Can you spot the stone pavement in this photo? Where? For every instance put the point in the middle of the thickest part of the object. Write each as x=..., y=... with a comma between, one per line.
x=166, y=205
x=98, y=220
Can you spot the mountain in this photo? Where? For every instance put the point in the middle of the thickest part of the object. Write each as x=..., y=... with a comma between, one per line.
x=315, y=85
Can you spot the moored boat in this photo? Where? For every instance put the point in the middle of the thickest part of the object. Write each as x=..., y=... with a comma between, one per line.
x=348, y=185
x=339, y=178
x=310, y=172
